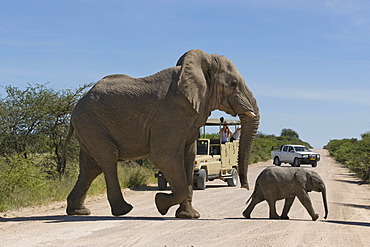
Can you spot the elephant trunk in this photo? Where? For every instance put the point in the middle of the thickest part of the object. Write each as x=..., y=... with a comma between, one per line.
x=325, y=202
x=249, y=126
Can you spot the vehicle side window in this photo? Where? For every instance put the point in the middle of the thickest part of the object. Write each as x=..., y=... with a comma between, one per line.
x=291, y=149
x=202, y=147
x=215, y=147
x=285, y=148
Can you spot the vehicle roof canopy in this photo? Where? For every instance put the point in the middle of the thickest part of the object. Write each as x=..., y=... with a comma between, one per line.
x=217, y=122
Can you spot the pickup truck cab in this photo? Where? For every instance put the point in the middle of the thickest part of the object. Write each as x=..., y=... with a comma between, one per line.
x=294, y=155
x=213, y=160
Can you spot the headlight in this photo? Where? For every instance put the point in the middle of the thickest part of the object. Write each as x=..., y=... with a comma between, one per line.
x=305, y=156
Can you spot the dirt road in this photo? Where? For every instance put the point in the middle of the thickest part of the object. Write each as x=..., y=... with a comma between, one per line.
x=221, y=222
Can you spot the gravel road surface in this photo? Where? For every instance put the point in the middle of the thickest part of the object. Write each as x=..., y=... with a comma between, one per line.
x=221, y=222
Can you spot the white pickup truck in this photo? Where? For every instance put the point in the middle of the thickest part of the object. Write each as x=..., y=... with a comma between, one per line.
x=294, y=155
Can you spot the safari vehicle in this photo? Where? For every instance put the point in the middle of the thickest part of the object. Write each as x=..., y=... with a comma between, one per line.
x=294, y=155
x=213, y=160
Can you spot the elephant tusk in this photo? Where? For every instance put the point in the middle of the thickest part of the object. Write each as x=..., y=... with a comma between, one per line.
x=250, y=114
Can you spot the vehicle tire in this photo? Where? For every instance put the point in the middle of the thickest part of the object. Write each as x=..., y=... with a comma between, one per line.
x=233, y=181
x=297, y=162
x=314, y=164
x=162, y=182
x=277, y=161
x=201, y=179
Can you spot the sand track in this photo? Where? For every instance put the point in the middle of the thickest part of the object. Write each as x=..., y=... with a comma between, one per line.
x=221, y=222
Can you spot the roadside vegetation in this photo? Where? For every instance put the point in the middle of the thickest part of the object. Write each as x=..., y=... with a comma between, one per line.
x=353, y=153
x=33, y=126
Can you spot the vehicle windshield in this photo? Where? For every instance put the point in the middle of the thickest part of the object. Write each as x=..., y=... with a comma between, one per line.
x=202, y=147
x=302, y=149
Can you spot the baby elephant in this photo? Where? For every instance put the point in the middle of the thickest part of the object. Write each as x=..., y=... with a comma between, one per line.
x=276, y=183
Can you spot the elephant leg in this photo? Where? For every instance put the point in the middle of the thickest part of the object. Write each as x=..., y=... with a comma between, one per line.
x=89, y=170
x=186, y=209
x=304, y=198
x=117, y=203
x=179, y=187
x=170, y=159
x=272, y=205
x=171, y=165
x=255, y=200
x=102, y=149
x=287, y=205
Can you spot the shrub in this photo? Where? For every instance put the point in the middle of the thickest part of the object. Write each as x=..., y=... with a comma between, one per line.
x=134, y=175
x=353, y=153
x=23, y=183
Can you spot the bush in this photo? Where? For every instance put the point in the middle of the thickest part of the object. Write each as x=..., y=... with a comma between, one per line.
x=23, y=183
x=353, y=153
x=136, y=176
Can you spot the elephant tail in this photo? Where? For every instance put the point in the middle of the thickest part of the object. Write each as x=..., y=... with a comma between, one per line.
x=63, y=160
x=250, y=198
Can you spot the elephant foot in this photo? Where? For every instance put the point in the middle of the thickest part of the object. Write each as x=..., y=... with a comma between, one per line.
x=161, y=200
x=124, y=209
x=78, y=211
x=284, y=217
x=315, y=217
x=274, y=217
x=246, y=215
x=187, y=213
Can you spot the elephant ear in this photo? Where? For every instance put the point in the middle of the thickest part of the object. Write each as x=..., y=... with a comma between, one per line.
x=303, y=179
x=194, y=77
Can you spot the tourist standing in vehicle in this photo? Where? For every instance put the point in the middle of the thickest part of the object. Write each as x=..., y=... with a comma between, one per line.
x=236, y=135
x=226, y=133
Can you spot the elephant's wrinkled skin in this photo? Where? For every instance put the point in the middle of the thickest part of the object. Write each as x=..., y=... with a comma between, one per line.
x=277, y=183
x=125, y=118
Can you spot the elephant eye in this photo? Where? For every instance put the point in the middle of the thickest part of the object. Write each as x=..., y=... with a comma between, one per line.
x=234, y=84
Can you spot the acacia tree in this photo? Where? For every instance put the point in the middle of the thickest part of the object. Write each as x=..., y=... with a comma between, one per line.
x=35, y=121
x=289, y=133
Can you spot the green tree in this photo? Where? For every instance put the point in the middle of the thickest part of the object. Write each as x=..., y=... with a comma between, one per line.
x=289, y=133
x=35, y=121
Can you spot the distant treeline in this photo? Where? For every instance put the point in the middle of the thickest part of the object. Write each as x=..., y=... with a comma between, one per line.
x=353, y=153
x=261, y=150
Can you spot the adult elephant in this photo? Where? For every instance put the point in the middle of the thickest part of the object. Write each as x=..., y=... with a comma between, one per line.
x=125, y=118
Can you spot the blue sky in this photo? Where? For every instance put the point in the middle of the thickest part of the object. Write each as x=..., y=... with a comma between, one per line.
x=307, y=62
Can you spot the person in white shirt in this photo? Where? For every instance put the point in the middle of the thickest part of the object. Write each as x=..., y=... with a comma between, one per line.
x=225, y=134
x=236, y=135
